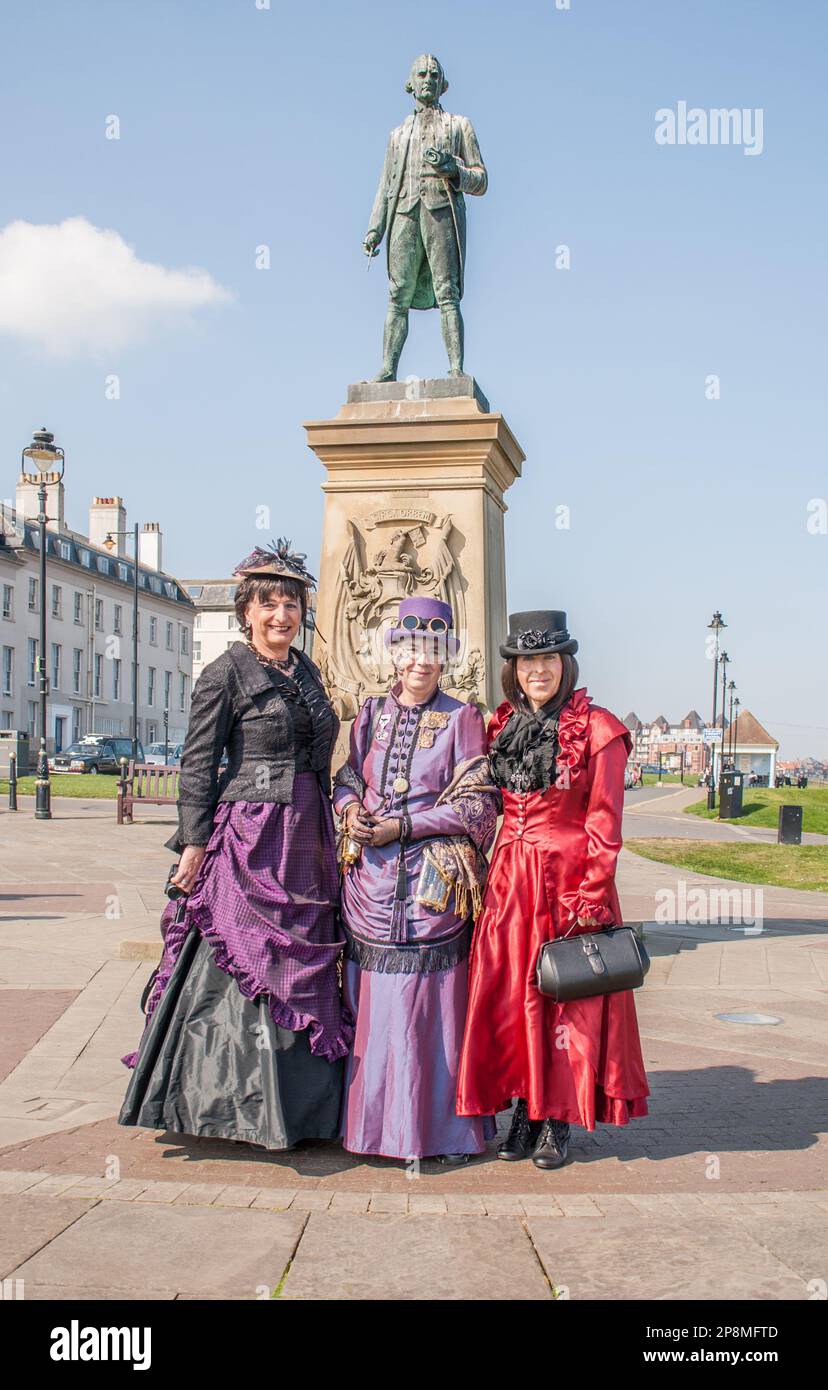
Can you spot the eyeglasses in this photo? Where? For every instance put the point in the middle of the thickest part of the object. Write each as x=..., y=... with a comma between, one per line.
x=412, y=623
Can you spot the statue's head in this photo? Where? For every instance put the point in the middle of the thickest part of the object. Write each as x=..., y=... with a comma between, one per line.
x=427, y=81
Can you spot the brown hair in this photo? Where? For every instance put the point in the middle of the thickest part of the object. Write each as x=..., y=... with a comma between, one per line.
x=516, y=697
x=264, y=587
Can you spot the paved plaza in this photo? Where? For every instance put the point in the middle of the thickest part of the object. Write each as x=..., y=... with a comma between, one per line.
x=719, y=1193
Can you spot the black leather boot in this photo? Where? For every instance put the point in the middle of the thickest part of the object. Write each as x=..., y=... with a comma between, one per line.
x=552, y=1148
x=522, y=1136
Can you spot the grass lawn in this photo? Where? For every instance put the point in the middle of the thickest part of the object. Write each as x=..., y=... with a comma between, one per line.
x=68, y=784
x=650, y=779
x=761, y=807
x=787, y=866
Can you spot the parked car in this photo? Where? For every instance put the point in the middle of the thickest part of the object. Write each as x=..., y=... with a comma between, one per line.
x=93, y=754
x=155, y=754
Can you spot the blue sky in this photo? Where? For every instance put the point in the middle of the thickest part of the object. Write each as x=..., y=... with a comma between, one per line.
x=241, y=127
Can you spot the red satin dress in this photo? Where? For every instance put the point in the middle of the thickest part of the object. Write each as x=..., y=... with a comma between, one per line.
x=554, y=861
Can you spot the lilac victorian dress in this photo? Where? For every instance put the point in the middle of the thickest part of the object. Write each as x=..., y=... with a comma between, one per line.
x=408, y=927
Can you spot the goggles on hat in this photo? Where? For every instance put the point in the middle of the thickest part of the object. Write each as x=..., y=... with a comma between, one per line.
x=412, y=623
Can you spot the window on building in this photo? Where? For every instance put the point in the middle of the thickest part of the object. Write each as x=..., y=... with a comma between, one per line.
x=123, y=572
x=99, y=615
x=77, y=722
x=169, y=637
x=56, y=653
x=117, y=624
x=31, y=719
x=151, y=686
x=78, y=607
x=167, y=688
x=185, y=640
x=77, y=670
x=182, y=692
x=153, y=633
x=57, y=601
x=32, y=595
x=8, y=601
x=8, y=670
x=32, y=660
x=196, y=651
x=98, y=671
x=6, y=719
x=197, y=620
x=116, y=678
x=66, y=550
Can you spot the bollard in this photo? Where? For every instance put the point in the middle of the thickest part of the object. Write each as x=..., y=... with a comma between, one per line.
x=122, y=787
x=12, y=782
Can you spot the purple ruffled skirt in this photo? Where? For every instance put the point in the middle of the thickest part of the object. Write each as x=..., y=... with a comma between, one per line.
x=256, y=1008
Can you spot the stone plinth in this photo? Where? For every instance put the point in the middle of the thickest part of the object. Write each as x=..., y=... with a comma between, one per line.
x=414, y=487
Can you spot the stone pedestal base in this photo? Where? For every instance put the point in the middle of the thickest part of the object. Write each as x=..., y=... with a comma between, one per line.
x=415, y=477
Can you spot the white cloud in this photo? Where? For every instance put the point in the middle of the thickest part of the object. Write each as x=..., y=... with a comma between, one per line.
x=75, y=289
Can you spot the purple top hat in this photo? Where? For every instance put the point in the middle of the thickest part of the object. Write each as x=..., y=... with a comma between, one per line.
x=420, y=618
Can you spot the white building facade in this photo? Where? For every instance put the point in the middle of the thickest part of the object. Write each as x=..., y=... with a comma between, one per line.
x=89, y=624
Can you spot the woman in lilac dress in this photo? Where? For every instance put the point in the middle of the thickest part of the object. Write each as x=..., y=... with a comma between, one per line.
x=418, y=813
x=245, y=1036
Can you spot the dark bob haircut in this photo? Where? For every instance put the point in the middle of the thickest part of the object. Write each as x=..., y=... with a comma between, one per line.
x=518, y=700
x=264, y=587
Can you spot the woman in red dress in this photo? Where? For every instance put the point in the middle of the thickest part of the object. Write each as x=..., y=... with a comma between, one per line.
x=560, y=762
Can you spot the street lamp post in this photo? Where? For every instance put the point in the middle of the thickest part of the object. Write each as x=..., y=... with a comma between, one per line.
x=166, y=735
x=110, y=544
x=732, y=690
x=736, y=706
x=723, y=662
x=46, y=456
x=715, y=626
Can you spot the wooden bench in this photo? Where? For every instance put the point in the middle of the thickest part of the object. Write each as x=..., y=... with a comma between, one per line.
x=154, y=785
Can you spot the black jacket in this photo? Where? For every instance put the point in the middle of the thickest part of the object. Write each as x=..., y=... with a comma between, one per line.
x=236, y=705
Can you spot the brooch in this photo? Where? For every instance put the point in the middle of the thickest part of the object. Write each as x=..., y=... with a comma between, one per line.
x=431, y=721
x=382, y=727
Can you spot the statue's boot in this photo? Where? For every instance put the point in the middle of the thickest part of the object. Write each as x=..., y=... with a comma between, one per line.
x=451, y=322
x=393, y=341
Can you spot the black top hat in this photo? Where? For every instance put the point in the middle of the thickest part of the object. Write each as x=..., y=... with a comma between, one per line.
x=540, y=631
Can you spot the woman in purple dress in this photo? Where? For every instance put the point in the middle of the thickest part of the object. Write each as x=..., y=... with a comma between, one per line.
x=418, y=814
x=246, y=1035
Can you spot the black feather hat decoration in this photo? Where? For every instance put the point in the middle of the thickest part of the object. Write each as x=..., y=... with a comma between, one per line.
x=277, y=561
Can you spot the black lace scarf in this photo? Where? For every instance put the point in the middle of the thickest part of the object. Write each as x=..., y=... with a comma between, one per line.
x=523, y=756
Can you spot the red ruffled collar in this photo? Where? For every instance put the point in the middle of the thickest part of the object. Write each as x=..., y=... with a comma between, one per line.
x=573, y=736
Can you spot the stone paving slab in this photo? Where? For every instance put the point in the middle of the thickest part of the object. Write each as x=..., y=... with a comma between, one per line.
x=166, y=1250
x=349, y=1256
x=28, y=1224
x=624, y=1258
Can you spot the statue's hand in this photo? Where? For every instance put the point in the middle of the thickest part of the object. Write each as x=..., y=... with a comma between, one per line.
x=370, y=245
x=441, y=160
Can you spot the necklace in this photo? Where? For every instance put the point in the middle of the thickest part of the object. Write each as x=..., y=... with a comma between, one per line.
x=285, y=666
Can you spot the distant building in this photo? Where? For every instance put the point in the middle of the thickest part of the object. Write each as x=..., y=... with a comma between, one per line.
x=687, y=744
x=674, y=745
x=215, y=620
x=749, y=747
x=89, y=597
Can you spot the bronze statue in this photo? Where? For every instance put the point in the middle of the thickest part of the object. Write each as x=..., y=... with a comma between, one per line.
x=432, y=160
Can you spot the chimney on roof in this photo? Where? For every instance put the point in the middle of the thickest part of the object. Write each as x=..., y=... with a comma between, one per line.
x=107, y=516
x=149, y=545
x=27, y=504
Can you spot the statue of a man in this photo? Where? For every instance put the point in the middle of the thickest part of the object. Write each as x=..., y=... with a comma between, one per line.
x=432, y=159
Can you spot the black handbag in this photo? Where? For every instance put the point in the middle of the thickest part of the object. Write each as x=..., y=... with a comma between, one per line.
x=596, y=962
